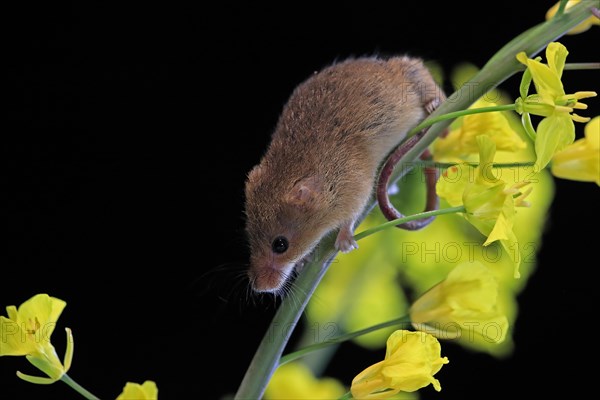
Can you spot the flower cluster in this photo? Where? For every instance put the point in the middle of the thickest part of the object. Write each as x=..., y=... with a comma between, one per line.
x=488, y=201
x=26, y=332
x=556, y=130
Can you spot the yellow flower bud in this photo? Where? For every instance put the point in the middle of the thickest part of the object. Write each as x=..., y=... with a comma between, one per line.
x=462, y=307
x=411, y=361
x=582, y=27
x=134, y=391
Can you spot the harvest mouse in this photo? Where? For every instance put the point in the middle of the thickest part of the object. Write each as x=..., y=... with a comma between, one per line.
x=319, y=170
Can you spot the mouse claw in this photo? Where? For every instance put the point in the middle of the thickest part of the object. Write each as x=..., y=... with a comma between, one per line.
x=346, y=246
x=345, y=240
x=431, y=105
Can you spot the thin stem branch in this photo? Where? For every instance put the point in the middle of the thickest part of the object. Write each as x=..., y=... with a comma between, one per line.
x=561, y=7
x=78, y=388
x=444, y=165
x=456, y=114
x=389, y=224
x=342, y=338
x=582, y=66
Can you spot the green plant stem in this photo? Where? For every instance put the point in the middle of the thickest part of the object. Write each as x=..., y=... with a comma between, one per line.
x=269, y=351
x=389, y=224
x=561, y=7
x=443, y=165
x=78, y=388
x=499, y=68
x=342, y=338
x=456, y=114
x=582, y=66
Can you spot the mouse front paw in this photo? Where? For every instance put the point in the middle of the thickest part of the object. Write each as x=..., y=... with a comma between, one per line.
x=345, y=239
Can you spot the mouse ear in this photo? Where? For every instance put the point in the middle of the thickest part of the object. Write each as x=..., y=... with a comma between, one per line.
x=304, y=192
x=255, y=173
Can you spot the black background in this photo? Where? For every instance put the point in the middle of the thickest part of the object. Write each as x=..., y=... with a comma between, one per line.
x=129, y=133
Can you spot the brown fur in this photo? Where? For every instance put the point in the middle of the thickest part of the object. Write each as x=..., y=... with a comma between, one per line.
x=319, y=169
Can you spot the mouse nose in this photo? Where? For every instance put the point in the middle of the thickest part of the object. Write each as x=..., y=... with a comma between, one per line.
x=269, y=278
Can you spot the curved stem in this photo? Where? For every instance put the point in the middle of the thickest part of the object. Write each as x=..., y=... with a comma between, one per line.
x=403, y=220
x=499, y=68
x=78, y=388
x=382, y=192
x=342, y=338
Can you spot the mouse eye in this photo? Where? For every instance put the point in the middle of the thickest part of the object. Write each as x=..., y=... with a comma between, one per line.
x=280, y=244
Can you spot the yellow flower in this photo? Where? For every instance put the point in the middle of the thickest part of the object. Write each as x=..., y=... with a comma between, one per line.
x=461, y=141
x=296, y=381
x=582, y=27
x=556, y=130
x=462, y=307
x=489, y=203
x=26, y=332
x=135, y=391
x=411, y=361
x=580, y=161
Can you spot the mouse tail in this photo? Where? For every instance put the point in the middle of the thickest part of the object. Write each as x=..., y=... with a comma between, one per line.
x=431, y=177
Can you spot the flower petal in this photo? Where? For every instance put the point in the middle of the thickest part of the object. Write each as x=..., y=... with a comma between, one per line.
x=12, y=313
x=472, y=286
x=487, y=151
x=511, y=246
x=526, y=78
x=412, y=358
x=12, y=342
x=69, y=350
x=546, y=82
x=45, y=310
x=464, y=308
x=553, y=134
x=293, y=380
x=556, y=54
x=134, y=391
x=501, y=230
x=580, y=161
x=38, y=380
x=592, y=133
x=461, y=141
x=485, y=202
x=452, y=182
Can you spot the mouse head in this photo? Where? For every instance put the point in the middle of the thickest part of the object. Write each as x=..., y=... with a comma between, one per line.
x=282, y=224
